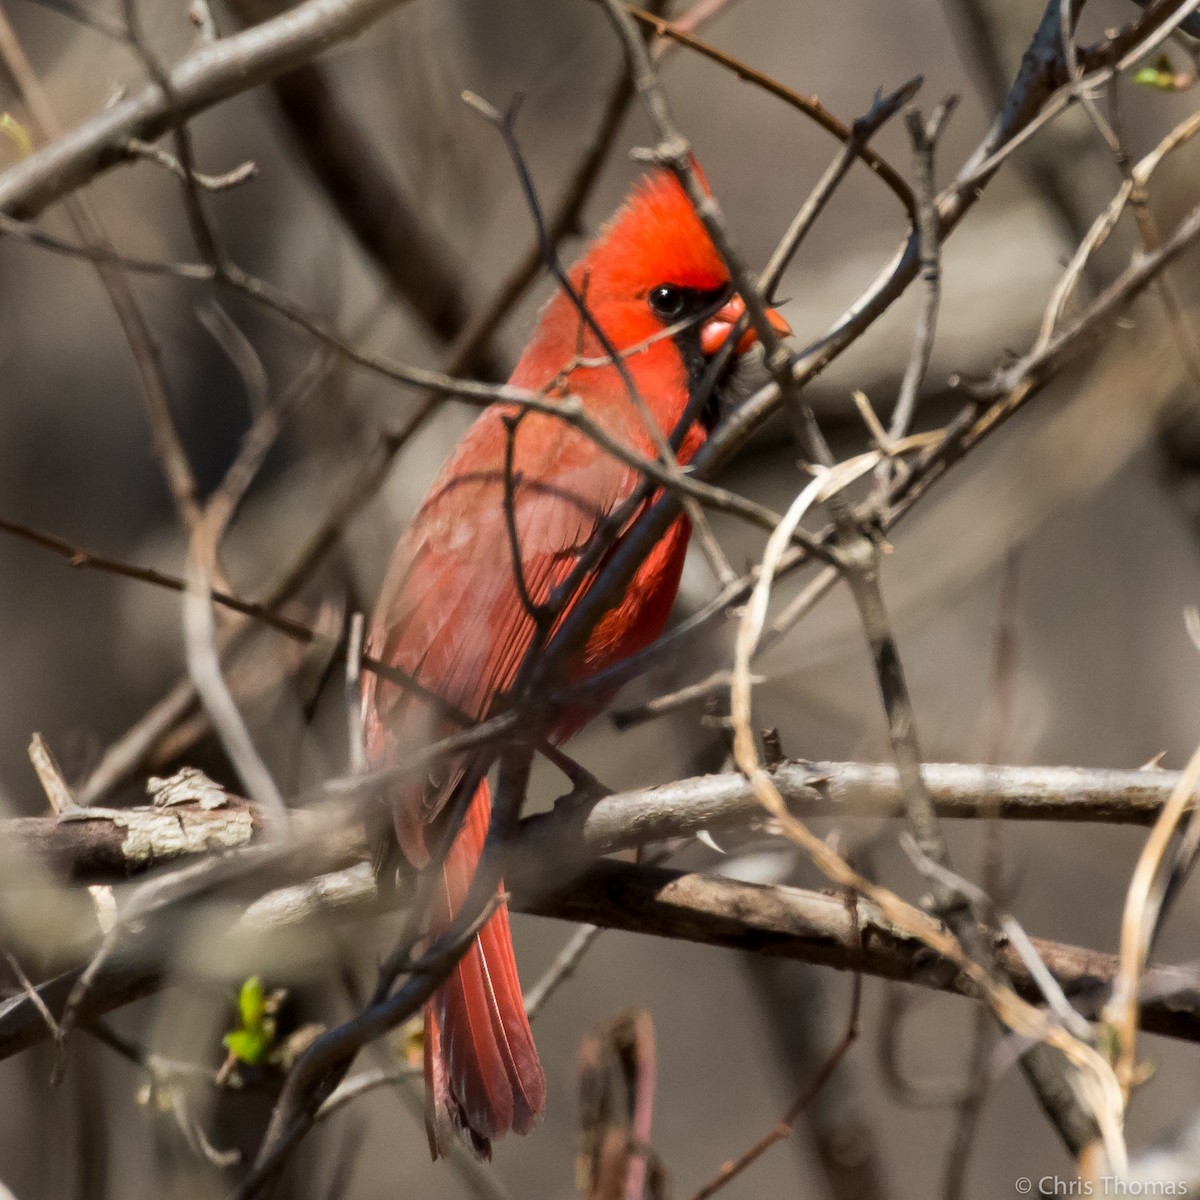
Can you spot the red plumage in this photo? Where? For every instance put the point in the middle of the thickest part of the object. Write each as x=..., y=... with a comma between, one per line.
x=451, y=613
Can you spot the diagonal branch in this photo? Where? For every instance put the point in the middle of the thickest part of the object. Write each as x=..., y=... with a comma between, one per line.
x=390, y=229
x=207, y=76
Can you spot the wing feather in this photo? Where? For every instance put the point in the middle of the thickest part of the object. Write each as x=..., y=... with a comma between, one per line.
x=451, y=612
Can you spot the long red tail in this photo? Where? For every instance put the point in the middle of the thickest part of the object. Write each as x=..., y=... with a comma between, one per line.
x=482, y=1072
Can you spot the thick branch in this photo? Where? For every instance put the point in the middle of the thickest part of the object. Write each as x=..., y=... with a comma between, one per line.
x=818, y=928
x=784, y=922
x=102, y=844
x=727, y=802
x=204, y=78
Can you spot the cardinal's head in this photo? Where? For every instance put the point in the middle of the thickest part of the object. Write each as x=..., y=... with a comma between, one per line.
x=657, y=287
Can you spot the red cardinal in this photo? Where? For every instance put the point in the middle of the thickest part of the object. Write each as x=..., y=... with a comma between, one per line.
x=451, y=612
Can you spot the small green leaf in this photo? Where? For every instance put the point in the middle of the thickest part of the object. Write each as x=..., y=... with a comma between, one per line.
x=254, y=1039
x=248, y=1046
x=1161, y=76
x=252, y=1002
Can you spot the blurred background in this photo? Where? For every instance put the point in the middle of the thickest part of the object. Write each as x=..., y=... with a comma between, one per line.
x=1075, y=530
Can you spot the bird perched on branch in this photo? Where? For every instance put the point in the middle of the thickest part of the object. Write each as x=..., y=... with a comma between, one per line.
x=494, y=547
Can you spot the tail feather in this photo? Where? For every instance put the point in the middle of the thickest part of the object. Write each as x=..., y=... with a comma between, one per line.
x=512, y=1028
x=481, y=1066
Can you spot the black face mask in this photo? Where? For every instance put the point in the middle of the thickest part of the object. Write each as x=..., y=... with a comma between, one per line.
x=672, y=304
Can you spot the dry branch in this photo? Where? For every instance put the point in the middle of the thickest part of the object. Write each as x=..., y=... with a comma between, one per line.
x=210, y=74
x=90, y=231
x=819, y=928
x=398, y=238
x=780, y=921
x=100, y=844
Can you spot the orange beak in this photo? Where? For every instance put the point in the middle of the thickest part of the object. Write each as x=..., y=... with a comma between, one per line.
x=714, y=333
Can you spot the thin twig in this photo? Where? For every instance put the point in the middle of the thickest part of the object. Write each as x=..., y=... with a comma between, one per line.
x=204, y=665
x=566, y=963
x=262, y=612
x=362, y=1085
x=808, y=105
x=731, y=1170
x=881, y=111
x=210, y=74
x=1137, y=932
x=172, y=457
x=924, y=135
x=35, y=997
x=232, y=178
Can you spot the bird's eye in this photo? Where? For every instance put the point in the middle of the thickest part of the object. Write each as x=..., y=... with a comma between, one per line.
x=668, y=301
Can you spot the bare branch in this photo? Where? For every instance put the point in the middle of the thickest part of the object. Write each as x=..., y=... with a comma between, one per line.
x=779, y=921
x=808, y=1094
x=393, y=232
x=205, y=77
x=809, y=105
x=102, y=844
x=924, y=135
x=172, y=456
x=565, y=964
